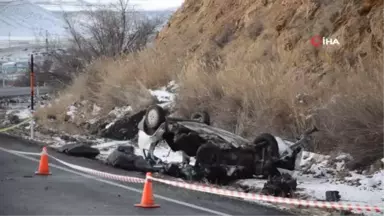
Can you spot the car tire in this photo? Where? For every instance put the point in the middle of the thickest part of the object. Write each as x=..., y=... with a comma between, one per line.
x=202, y=117
x=268, y=141
x=154, y=117
x=208, y=154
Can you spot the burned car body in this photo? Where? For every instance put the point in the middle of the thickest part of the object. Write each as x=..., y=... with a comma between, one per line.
x=219, y=154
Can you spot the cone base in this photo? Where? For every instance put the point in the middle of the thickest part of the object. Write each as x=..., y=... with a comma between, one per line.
x=38, y=173
x=147, y=206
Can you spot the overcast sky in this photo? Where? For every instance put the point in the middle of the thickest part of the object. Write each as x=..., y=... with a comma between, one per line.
x=147, y=4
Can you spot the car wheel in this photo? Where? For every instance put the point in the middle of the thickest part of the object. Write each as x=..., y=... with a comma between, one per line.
x=154, y=117
x=208, y=154
x=266, y=146
x=268, y=142
x=202, y=117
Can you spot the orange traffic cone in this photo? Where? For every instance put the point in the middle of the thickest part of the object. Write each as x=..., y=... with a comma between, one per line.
x=43, y=166
x=147, y=198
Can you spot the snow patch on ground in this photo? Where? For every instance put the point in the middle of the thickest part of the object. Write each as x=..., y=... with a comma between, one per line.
x=165, y=94
x=377, y=180
x=96, y=109
x=24, y=114
x=317, y=176
x=317, y=187
x=252, y=183
x=72, y=110
x=58, y=142
x=21, y=113
x=119, y=112
x=9, y=111
x=162, y=95
x=371, y=182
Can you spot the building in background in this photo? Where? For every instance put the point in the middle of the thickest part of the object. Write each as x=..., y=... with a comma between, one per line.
x=11, y=71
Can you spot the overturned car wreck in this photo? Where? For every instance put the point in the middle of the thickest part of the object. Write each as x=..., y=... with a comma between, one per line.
x=220, y=156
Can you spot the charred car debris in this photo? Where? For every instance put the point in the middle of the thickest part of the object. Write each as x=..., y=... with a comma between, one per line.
x=220, y=156
x=210, y=154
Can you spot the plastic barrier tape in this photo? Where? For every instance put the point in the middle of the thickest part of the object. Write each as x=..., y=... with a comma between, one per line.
x=88, y=170
x=272, y=199
x=15, y=126
x=26, y=153
x=224, y=192
x=100, y=173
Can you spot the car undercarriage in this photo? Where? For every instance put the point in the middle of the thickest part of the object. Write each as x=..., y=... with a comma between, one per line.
x=220, y=156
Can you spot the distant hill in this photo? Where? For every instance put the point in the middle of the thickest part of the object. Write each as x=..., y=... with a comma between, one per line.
x=66, y=5
x=34, y=18
x=22, y=18
x=61, y=2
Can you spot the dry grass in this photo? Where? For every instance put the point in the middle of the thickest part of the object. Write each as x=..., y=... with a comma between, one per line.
x=111, y=83
x=353, y=119
x=280, y=84
x=263, y=97
x=257, y=75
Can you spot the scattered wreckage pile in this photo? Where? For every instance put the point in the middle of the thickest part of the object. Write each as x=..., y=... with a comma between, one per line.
x=220, y=156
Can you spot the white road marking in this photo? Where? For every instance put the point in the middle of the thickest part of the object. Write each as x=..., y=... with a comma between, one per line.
x=120, y=185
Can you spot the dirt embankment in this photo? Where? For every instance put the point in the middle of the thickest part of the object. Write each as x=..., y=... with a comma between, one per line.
x=250, y=63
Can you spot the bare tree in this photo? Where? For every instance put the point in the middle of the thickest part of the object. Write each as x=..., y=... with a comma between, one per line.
x=109, y=30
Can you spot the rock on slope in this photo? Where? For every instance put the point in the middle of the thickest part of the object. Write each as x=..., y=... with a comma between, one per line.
x=258, y=29
x=270, y=72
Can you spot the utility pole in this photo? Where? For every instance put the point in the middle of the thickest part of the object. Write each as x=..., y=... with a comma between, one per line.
x=46, y=40
x=9, y=39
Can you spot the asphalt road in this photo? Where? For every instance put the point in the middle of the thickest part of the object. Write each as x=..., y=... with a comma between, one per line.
x=73, y=193
x=19, y=91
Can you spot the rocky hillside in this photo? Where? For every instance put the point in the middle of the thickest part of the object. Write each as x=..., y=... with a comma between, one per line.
x=279, y=32
x=251, y=64
x=266, y=74
x=280, y=28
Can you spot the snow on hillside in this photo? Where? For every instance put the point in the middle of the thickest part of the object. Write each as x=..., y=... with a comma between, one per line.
x=55, y=2
x=63, y=5
x=31, y=19
x=22, y=18
x=80, y=5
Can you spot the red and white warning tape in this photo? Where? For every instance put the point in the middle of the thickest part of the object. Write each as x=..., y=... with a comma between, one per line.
x=26, y=153
x=101, y=174
x=272, y=199
x=88, y=170
x=224, y=192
